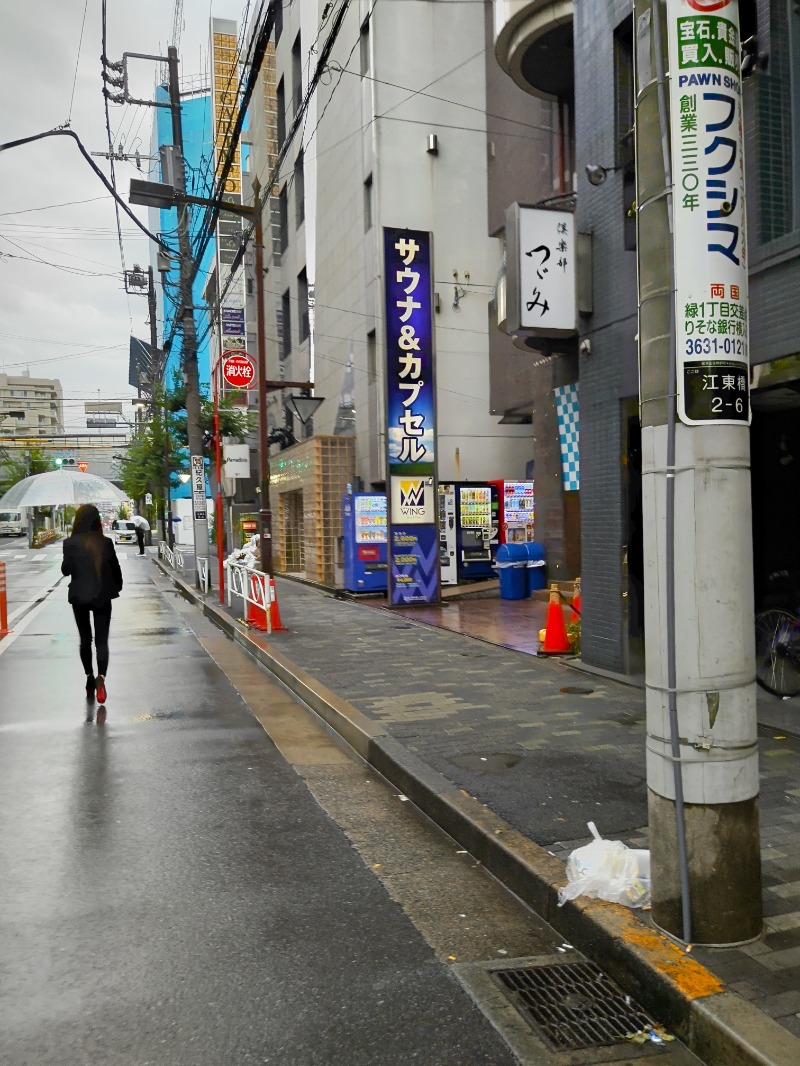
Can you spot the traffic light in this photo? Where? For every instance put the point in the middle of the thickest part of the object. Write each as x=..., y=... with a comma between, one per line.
x=65, y=462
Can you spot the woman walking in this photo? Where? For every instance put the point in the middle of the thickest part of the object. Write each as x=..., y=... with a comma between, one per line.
x=91, y=562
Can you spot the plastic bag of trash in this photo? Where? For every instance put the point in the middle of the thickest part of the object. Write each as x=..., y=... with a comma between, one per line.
x=609, y=870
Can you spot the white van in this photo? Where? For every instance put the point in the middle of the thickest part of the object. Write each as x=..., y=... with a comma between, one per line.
x=11, y=524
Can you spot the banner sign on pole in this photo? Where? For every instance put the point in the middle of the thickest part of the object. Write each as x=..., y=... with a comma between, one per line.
x=711, y=308
x=199, y=488
x=411, y=428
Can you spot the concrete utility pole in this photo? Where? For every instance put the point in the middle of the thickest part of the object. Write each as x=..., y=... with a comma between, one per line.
x=190, y=370
x=702, y=760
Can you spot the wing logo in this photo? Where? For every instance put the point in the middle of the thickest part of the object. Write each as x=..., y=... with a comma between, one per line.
x=412, y=493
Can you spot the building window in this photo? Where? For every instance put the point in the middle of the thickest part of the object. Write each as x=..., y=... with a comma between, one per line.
x=299, y=190
x=283, y=219
x=280, y=107
x=302, y=304
x=368, y=204
x=286, y=325
x=297, y=76
x=364, y=48
x=278, y=21
x=372, y=358
x=623, y=93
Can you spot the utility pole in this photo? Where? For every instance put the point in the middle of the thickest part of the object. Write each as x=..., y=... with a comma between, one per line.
x=190, y=370
x=702, y=759
x=264, y=508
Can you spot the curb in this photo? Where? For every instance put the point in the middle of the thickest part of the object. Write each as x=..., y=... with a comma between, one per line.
x=718, y=1025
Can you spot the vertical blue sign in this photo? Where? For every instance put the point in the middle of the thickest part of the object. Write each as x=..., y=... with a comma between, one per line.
x=410, y=411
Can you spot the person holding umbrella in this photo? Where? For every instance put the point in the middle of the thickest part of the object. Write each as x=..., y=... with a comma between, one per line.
x=142, y=525
x=96, y=579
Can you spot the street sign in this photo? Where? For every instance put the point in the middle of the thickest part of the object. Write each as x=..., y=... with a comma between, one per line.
x=148, y=498
x=239, y=370
x=83, y=467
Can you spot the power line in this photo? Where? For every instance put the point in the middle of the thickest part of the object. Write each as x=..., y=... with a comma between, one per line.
x=104, y=60
x=61, y=131
x=77, y=63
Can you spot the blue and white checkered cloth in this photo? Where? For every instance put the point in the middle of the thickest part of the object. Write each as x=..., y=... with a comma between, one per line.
x=569, y=433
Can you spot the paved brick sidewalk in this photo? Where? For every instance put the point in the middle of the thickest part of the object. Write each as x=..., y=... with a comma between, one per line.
x=512, y=730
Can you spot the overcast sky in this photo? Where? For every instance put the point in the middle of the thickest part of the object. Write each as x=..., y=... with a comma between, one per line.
x=72, y=320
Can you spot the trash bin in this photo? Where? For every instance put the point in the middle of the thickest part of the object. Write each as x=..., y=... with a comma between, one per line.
x=511, y=564
x=535, y=567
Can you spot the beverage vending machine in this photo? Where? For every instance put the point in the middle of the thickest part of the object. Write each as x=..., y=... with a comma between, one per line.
x=473, y=533
x=364, y=531
x=515, y=511
x=448, y=545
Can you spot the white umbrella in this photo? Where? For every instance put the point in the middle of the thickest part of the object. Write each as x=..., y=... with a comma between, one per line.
x=140, y=521
x=56, y=487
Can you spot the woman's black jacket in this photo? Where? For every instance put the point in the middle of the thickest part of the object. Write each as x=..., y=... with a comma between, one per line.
x=91, y=562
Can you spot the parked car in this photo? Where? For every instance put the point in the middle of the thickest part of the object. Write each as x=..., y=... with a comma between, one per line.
x=125, y=533
x=11, y=524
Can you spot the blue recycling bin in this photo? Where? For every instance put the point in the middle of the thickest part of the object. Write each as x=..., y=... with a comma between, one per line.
x=535, y=567
x=511, y=563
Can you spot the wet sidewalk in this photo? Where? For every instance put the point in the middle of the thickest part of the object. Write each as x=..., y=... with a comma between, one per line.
x=513, y=754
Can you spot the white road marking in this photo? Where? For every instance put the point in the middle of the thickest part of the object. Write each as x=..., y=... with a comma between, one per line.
x=6, y=642
x=42, y=592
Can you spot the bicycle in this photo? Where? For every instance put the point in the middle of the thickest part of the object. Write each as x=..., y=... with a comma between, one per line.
x=778, y=651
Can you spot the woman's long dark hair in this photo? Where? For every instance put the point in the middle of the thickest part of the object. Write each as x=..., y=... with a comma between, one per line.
x=88, y=526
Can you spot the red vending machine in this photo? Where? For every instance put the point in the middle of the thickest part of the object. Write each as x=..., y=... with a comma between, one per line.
x=515, y=511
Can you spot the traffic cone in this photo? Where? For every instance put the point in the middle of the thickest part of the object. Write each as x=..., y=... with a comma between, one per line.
x=256, y=615
x=555, y=635
x=275, y=624
x=575, y=615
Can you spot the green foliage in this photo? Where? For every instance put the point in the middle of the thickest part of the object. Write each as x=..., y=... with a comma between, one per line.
x=16, y=465
x=123, y=511
x=161, y=444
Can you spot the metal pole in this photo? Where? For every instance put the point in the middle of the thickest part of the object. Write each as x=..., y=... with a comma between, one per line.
x=218, y=520
x=151, y=310
x=190, y=369
x=264, y=512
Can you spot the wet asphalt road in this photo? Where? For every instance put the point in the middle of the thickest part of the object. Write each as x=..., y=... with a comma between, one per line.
x=171, y=892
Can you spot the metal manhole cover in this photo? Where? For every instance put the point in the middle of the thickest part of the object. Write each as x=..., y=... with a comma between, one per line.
x=405, y=625
x=574, y=690
x=572, y=1006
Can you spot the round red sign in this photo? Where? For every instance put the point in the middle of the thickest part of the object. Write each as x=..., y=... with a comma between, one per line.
x=239, y=370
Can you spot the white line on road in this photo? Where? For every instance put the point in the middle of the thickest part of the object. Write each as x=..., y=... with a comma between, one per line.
x=6, y=642
x=41, y=594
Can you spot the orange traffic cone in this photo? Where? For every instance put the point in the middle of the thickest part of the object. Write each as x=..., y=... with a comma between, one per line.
x=275, y=623
x=575, y=615
x=555, y=634
x=256, y=615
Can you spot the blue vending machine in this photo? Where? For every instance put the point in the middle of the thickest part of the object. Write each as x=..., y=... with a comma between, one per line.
x=364, y=529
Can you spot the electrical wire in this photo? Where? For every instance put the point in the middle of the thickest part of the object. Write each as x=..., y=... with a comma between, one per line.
x=77, y=63
x=61, y=131
x=104, y=61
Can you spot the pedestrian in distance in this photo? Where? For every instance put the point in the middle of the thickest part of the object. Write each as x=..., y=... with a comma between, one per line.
x=96, y=579
x=140, y=537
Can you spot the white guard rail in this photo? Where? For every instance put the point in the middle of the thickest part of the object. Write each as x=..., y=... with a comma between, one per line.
x=255, y=591
x=203, y=574
x=166, y=552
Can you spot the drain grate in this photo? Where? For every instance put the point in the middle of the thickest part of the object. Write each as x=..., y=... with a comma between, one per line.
x=574, y=690
x=573, y=1006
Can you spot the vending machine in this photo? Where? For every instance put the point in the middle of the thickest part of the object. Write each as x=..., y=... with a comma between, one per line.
x=515, y=511
x=364, y=530
x=448, y=542
x=472, y=536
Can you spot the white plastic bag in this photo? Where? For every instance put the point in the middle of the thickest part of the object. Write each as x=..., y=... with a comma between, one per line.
x=609, y=870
